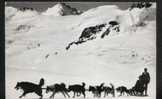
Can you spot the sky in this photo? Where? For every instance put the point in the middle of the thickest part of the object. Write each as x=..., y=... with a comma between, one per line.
x=83, y=6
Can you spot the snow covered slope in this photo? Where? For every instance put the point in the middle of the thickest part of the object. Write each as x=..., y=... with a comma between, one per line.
x=61, y=9
x=36, y=47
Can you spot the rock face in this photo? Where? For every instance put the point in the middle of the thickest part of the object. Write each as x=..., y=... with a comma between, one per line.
x=62, y=9
x=141, y=5
x=114, y=25
x=88, y=33
x=68, y=10
x=91, y=33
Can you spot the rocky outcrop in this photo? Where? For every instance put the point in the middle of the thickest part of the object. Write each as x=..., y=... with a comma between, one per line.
x=141, y=5
x=90, y=33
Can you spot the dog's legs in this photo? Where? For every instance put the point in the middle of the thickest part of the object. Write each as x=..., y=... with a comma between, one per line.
x=78, y=94
x=113, y=93
x=39, y=92
x=74, y=95
x=22, y=95
x=83, y=94
x=105, y=94
x=120, y=93
x=99, y=94
x=41, y=97
x=96, y=93
x=67, y=94
x=52, y=96
x=63, y=94
x=127, y=93
x=93, y=94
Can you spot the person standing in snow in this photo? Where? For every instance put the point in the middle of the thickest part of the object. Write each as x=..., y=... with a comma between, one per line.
x=146, y=80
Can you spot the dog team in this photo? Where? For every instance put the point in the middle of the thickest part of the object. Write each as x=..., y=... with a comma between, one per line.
x=139, y=89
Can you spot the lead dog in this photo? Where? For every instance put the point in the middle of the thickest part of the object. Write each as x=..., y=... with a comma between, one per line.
x=29, y=87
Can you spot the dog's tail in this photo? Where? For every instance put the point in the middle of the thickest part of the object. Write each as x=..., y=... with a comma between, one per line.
x=41, y=82
x=112, y=86
x=101, y=85
x=83, y=84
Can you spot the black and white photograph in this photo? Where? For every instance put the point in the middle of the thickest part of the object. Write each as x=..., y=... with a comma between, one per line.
x=80, y=50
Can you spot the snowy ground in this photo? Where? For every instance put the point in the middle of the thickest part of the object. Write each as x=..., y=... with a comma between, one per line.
x=35, y=48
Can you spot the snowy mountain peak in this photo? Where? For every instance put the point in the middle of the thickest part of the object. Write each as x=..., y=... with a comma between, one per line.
x=61, y=9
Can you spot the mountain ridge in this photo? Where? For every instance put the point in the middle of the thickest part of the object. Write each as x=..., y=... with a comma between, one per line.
x=61, y=9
